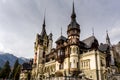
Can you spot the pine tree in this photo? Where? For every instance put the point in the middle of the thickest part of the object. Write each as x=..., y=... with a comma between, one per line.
x=0, y=68
x=17, y=73
x=14, y=70
x=5, y=71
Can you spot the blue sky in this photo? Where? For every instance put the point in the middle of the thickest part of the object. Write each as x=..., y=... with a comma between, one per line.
x=21, y=20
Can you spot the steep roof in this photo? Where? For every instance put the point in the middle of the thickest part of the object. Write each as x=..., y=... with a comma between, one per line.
x=61, y=38
x=83, y=45
x=103, y=47
x=89, y=41
x=73, y=23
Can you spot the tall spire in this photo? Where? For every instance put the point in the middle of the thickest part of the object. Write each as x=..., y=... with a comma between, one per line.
x=107, y=39
x=43, y=28
x=73, y=26
x=73, y=16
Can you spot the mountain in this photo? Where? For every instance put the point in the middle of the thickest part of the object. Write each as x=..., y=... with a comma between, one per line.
x=11, y=58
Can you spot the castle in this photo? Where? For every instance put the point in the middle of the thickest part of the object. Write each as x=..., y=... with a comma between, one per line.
x=72, y=57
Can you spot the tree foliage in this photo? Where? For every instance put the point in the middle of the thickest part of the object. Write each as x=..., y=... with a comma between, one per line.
x=5, y=71
x=16, y=71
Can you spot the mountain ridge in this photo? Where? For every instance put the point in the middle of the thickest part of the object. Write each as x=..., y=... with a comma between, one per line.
x=11, y=58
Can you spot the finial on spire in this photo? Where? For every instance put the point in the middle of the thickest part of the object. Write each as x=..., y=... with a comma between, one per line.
x=107, y=34
x=73, y=7
x=73, y=12
x=61, y=31
x=92, y=31
x=44, y=19
x=43, y=27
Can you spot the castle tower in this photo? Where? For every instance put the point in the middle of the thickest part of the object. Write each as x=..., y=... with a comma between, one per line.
x=41, y=45
x=73, y=33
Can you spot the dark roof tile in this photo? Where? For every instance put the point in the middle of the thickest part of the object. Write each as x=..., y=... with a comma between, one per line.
x=103, y=47
x=61, y=38
x=89, y=41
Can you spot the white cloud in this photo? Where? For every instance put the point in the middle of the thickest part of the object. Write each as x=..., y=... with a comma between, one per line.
x=4, y=49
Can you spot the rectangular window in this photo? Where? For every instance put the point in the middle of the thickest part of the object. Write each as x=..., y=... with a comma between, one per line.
x=85, y=64
x=73, y=61
x=82, y=64
x=77, y=65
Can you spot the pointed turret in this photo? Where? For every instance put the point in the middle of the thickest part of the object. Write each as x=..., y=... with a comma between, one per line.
x=93, y=31
x=107, y=39
x=73, y=27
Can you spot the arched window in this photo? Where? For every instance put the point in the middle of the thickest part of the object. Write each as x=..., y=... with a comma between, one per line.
x=59, y=53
